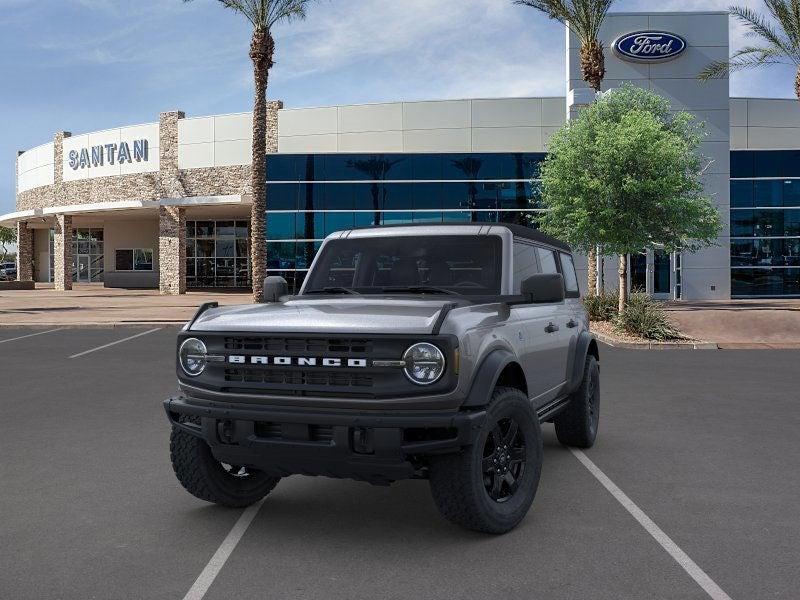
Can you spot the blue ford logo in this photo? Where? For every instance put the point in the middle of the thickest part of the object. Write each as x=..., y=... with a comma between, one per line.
x=649, y=46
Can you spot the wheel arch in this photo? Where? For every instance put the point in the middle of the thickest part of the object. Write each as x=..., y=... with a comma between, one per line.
x=500, y=367
x=586, y=345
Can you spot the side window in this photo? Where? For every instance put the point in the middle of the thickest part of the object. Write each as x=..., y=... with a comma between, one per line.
x=525, y=264
x=547, y=260
x=568, y=269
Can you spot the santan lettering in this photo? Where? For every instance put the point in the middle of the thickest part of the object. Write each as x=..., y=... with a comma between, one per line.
x=97, y=156
x=645, y=45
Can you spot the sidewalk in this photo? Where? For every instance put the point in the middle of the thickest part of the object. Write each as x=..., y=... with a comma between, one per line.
x=740, y=323
x=91, y=305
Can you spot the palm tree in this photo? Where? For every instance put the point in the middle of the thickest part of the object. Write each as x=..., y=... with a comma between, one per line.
x=263, y=15
x=780, y=41
x=584, y=19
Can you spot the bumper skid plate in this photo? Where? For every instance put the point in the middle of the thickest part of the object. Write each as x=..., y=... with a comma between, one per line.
x=379, y=448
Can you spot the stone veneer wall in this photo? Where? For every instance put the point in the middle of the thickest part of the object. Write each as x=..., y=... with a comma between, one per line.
x=62, y=250
x=172, y=250
x=24, y=252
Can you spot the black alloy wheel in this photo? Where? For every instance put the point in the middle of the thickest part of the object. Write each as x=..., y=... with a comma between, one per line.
x=503, y=460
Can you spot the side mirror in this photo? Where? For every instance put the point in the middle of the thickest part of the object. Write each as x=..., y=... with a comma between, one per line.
x=544, y=288
x=275, y=287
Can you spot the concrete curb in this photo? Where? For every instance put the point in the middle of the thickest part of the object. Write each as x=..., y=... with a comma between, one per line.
x=601, y=337
x=96, y=325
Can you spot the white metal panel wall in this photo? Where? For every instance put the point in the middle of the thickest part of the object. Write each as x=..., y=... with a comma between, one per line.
x=215, y=141
x=35, y=167
x=765, y=124
x=484, y=125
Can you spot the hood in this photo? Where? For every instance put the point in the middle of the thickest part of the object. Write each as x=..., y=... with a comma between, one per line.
x=321, y=315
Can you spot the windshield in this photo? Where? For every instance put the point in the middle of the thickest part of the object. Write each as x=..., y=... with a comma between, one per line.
x=434, y=264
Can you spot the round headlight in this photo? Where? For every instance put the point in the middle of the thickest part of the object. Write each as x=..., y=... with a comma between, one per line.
x=192, y=356
x=424, y=363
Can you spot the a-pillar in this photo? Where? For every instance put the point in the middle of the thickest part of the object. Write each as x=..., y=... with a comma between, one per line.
x=24, y=252
x=171, y=250
x=62, y=253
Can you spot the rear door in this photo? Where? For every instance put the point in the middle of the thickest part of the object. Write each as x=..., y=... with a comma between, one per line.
x=555, y=318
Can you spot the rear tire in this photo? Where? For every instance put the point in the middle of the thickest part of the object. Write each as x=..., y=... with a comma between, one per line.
x=490, y=485
x=206, y=478
x=577, y=424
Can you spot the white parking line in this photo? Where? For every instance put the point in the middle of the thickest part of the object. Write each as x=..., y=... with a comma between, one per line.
x=115, y=343
x=688, y=565
x=214, y=566
x=22, y=337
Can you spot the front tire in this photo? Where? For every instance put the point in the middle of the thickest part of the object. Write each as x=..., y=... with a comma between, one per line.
x=577, y=424
x=206, y=478
x=490, y=485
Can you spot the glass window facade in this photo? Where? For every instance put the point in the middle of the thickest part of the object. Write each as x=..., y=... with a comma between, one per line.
x=765, y=223
x=310, y=196
x=218, y=254
x=87, y=255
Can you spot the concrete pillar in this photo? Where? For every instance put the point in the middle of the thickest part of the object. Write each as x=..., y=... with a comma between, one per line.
x=24, y=252
x=172, y=250
x=62, y=251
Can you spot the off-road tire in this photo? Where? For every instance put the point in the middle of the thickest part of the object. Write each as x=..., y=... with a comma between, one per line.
x=577, y=424
x=458, y=481
x=205, y=477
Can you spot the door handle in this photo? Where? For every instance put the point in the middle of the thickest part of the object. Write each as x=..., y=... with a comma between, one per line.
x=551, y=328
x=572, y=323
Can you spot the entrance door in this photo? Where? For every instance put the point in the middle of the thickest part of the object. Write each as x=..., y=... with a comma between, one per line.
x=662, y=270
x=83, y=268
x=639, y=272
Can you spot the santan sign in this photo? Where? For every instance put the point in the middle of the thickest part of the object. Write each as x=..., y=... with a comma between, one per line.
x=649, y=46
x=97, y=156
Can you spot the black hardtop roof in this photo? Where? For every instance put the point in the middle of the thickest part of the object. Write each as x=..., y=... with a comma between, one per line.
x=519, y=231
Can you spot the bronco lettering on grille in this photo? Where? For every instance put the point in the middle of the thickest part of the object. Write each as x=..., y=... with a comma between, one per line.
x=298, y=361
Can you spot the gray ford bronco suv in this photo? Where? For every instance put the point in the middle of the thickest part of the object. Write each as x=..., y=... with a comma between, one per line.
x=420, y=351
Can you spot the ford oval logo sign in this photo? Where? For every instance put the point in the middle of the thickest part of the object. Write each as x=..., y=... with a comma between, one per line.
x=649, y=46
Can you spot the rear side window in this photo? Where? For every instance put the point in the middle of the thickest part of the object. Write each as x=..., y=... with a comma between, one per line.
x=547, y=260
x=568, y=270
x=525, y=264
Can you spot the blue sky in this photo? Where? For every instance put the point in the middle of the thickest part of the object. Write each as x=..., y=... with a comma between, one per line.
x=84, y=65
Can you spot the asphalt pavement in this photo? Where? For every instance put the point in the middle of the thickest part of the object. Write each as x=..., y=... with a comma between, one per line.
x=704, y=443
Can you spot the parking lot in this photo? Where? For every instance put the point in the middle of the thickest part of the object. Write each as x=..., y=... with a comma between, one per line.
x=704, y=444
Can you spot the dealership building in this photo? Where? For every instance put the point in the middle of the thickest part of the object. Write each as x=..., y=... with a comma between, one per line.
x=167, y=204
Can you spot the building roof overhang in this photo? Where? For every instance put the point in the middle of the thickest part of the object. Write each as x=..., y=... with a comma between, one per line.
x=13, y=218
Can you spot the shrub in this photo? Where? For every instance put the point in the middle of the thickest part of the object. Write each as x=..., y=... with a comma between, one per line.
x=644, y=317
x=602, y=307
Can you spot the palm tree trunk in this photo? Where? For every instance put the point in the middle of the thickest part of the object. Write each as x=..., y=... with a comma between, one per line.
x=593, y=67
x=623, y=282
x=261, y=51
x=797, y=84
x=593, y=70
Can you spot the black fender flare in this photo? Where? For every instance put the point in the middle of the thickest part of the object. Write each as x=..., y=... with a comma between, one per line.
x=486, y=376
x=583, y=346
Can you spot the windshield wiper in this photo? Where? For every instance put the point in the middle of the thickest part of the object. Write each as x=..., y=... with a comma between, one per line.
x=420, y=289
x=333, y=290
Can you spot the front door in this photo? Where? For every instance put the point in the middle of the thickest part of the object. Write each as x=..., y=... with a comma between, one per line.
x=662, y=271
x=83, y=268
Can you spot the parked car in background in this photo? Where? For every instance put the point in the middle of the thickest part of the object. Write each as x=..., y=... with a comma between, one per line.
x=8, y=271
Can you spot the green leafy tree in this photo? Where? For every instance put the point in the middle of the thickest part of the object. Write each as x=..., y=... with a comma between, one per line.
x=778, y=40
x=263, y=15
x=584, y=19
x=627, y=174
x=8, y=236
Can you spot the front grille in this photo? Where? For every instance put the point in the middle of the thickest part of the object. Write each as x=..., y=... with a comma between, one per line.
x=325, y=346
x=298, y=377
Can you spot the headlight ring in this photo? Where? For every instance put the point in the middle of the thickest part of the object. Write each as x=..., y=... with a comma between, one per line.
x=192, y=357
x=424, y=363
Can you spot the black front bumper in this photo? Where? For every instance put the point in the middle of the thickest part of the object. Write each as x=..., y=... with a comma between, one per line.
x=378, y=447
